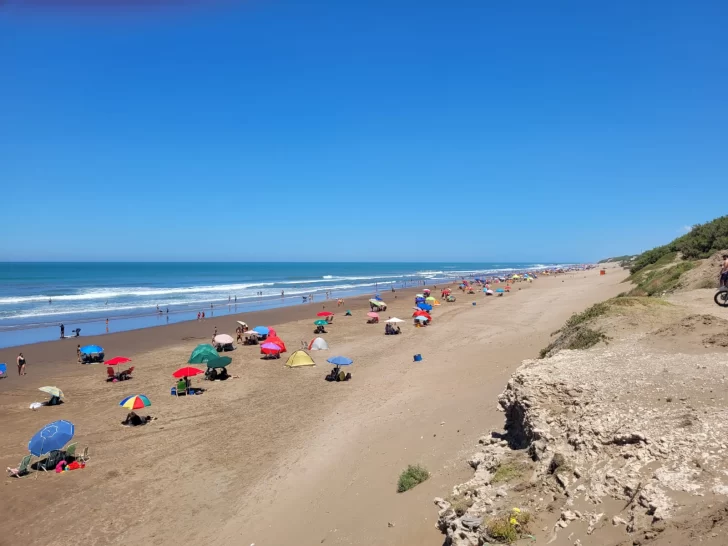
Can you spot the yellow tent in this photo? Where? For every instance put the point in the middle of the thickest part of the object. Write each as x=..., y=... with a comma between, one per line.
x=299, y=358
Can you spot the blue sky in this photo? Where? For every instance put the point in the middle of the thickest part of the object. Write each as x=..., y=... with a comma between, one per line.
x=331, y=130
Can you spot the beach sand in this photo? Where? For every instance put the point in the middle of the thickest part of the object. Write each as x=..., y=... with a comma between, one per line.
x=278, y=456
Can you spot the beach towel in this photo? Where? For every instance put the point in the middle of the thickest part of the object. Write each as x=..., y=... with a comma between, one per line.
x=35, y=405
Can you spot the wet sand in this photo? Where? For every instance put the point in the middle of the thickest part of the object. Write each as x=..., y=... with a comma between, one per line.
x=279, y=456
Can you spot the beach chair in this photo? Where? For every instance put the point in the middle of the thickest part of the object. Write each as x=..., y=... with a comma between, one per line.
x=23, y=468
x=51, y=461
x=181, y=387
x=84, y=456
x=71, y=452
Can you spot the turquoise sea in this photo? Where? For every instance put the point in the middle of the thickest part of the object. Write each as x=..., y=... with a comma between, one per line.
x=41, y=296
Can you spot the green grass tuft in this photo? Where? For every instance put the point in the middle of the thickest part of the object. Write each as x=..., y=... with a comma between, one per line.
x=506, y=472
x=501, y=529
x=414, y=475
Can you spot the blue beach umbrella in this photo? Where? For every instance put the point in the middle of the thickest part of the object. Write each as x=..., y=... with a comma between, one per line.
x=425, y=306
x=419, y=299
x=340, y=361
x=51, y=437
x=378, y=297
x=500, y=290
x=92, y=349
x=262, y=330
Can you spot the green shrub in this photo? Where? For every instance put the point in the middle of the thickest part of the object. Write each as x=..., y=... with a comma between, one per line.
x=702, y=241
x=460, y=504
x=661, y=280
x=508, y=526
x=414, y=475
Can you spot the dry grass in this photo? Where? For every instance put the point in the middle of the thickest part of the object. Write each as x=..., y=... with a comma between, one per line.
x=507, y=472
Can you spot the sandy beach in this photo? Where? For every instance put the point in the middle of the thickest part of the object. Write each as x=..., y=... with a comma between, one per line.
x=278, y=456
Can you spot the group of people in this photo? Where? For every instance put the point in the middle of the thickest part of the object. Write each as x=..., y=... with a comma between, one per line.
x=391, y=330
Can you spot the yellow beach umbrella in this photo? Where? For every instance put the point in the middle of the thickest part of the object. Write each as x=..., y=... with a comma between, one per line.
x=53, y=391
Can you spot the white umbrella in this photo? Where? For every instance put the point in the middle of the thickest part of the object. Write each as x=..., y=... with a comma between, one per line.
x=395, y=320
x=223, y=339
x=252, y=333
x=244, y=325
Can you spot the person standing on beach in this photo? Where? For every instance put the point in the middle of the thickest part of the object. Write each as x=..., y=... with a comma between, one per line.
x=215, y=334
x=63, y=331
x=236, y=299
x=107, y=326
x=282, y=294
x=78, y=353
x=21, y=364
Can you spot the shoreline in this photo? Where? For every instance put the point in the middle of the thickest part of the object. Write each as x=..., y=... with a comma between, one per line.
x=25, y=334
x=128, y=342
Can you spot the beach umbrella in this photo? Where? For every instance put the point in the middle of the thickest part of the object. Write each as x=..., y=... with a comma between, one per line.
x=373, y=314
x=500, y=290
x=53, y=391
x=278, y=341
x=270, y=349
x=394, y=320
x=421, y=318
x=51, y=437
x=187, y=371
x=377, y=297
x=223, y=339
x=243, y=324
x=426, y=291
x=262, y=330
x=419, y=295
x=221, y=362
x=422, y=314
x=340, y=361
x=137, y=401
x=117, y=360
x=324, y=314
x=92, y=349
x=202, y=353
x=271, y=331
x=252, y=333
x=320, y=322
x=377, y=303
x=430, y=299
x=318, y=344
x=424, y=306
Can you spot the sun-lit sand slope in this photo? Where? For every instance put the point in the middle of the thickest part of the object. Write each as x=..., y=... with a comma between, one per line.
x=279, y=456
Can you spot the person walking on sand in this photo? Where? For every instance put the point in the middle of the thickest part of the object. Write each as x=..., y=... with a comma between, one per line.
x=78, y=353
x=198, y=315
x=213, y=335
x=21, y=364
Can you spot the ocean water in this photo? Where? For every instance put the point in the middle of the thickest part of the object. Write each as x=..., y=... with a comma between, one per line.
x=43, y=295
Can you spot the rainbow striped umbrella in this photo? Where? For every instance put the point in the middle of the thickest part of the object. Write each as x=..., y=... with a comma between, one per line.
x=138, y=401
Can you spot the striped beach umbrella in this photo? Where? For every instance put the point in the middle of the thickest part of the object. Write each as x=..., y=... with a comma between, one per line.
x=137, y=401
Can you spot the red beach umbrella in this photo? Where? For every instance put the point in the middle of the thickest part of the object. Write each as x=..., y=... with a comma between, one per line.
x=271, y=332
x=269, y=348
x=187, y=371
x=117, y=360
x=373, y=314
x=278, y=341
x=422, y=314
x=324, y=314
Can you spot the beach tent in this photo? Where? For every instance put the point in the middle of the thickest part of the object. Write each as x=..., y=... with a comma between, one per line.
x=379, y=304
x=299, y=358
x=318, y=344
x=202, y=353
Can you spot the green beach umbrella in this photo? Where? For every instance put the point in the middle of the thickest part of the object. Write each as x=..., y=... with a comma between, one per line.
x=320, y=322
x=220, y=362
x=202, y=353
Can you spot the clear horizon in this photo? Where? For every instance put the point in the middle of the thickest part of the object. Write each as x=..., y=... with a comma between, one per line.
x=359, y=131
